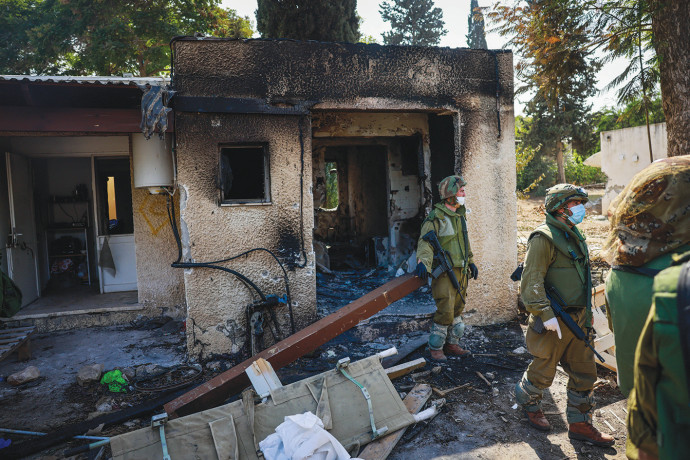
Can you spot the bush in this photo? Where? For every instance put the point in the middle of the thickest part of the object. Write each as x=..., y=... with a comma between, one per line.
x=578, y=173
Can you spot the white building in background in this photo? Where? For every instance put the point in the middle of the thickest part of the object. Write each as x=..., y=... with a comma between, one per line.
x=624, y=153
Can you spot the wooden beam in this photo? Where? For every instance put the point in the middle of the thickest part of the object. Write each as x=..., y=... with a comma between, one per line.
x=381, y=448
x=230, y=382
x=69, y=119
x=404, y=368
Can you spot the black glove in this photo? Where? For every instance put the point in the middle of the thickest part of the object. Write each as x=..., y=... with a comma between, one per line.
x=421, y=271
x=474, y=273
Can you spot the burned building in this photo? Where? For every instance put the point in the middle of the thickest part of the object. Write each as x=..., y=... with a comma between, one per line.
x=294, y=146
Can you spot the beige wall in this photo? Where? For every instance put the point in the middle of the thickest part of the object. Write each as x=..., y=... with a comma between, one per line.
x=216, y=300
x=625, y=152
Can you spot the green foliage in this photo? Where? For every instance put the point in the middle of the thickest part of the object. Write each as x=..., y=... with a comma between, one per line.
x=578, y=173
x=105, y=37
x=332, y=197
x=333, y=20
x=413, y=22
x=476, y=38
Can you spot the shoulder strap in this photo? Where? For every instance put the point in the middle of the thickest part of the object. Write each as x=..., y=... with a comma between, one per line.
x=683, y=305
x=644, y=271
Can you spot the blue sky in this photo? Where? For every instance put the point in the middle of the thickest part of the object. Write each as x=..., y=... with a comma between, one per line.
x=455, y=14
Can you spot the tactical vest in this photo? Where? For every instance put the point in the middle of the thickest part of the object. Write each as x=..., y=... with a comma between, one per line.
x=672, y=392
x=452, y=236
x=569, y=273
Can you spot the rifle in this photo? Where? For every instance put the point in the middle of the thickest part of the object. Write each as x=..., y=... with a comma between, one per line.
x=557, y=306
x=443, y=260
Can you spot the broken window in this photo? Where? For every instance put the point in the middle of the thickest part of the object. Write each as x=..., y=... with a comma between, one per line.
x=332, y=197
x=244, y=174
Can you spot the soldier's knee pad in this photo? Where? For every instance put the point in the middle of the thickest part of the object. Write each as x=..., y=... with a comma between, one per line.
x=580, y=406
x=437, y=337
x=457, y=329
x=527, y=395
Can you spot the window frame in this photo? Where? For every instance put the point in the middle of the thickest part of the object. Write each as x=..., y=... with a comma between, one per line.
x=267, y=200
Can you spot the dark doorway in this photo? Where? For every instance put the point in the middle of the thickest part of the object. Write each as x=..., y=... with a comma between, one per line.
x=114, y=196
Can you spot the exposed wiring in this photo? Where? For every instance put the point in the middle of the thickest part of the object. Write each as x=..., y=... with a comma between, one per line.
x=301, y=193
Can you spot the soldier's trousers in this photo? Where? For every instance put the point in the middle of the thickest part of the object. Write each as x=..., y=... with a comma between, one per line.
x=448, y=326
x=449, y=303
x=576, y=359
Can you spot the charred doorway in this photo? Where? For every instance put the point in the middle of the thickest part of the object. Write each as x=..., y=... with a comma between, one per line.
x=353, y=210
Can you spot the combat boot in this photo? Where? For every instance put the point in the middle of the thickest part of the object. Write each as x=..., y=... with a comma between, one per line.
x=437, y=355
x=538, y=420
x=454, y=349
x=584, y=431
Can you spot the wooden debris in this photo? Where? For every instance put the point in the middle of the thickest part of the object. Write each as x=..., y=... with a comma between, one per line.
x=481, y=376
x=504, y=419
x=405, y=350
x=382, y=447
x=230, y=382
x=617, y=417
x=442, y=393
x=419, y=375
x=486, y=355
x=405, y=368
x=609, y=425
x=16, y=339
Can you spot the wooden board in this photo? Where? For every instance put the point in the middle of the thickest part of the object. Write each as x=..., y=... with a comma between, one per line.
x=381, y=448
x=404, y=368
x=16, y=339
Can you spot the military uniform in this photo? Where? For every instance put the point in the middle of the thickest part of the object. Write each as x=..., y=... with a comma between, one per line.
x=659, y=404
x=650, y=223
x=451, y=229
x=558, y=255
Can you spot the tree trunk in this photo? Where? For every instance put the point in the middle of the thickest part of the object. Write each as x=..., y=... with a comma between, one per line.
x=560, y=162
x=670, y=25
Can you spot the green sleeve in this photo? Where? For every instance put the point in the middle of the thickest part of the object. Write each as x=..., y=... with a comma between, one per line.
x=540, y=252
x=425, y=253
x=642, y=413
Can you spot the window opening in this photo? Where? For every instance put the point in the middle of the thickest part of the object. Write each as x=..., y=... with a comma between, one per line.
x=244, y=174
x=332, y=197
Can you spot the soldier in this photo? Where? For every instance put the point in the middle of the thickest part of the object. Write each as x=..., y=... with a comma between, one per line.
x=659, y=403
x=650, y=222
x=557, y=255
x=447, y=219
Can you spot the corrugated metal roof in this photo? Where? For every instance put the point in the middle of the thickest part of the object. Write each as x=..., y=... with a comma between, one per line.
x=88, y=80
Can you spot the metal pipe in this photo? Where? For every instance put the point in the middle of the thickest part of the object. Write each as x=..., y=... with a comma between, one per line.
x=38, y=433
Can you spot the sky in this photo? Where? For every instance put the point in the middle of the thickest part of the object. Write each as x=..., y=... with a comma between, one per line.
x=455, y=13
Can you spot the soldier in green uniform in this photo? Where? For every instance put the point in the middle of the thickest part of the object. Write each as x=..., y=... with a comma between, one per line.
x=650, y=222
x=557, y=255
x=447, y=219
x=659, y=403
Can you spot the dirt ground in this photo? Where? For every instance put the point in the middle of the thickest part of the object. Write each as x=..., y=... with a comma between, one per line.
x=477, y=421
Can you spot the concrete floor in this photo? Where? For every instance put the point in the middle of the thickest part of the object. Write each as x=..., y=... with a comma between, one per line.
x=78, y=300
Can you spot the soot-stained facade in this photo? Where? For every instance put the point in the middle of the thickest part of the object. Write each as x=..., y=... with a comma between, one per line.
x=329, y=155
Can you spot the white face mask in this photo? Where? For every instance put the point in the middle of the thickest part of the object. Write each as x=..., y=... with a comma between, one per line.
x=461, y=200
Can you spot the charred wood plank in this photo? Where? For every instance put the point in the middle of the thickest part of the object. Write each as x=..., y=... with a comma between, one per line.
x=232, y=381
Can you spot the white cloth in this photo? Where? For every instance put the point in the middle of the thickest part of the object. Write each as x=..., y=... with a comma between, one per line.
x=302, y=437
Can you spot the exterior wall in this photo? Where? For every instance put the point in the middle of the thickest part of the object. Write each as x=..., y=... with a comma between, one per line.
x=625, y=152
x=241, y=76
x=216, y=300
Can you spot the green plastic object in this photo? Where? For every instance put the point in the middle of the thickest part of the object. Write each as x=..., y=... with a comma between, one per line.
x=115, y=381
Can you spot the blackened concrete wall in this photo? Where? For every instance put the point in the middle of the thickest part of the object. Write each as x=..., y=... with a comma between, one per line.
x=283, y=75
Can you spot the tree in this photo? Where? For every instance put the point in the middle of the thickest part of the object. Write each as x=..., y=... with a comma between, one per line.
x=333, y=21
x=556, y=67
x=106, y=37
x=476, y=38
x=413, y=22
x=670, y=25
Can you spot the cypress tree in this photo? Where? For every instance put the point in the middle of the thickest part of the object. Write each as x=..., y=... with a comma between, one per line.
x=332, y=20
x=413, y=22
x=476, y=37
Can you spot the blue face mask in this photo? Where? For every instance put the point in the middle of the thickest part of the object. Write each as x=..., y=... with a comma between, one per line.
x=578, y=214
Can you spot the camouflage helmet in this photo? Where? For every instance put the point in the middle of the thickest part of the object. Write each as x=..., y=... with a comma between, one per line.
x=449, y=186
x=560, y=194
